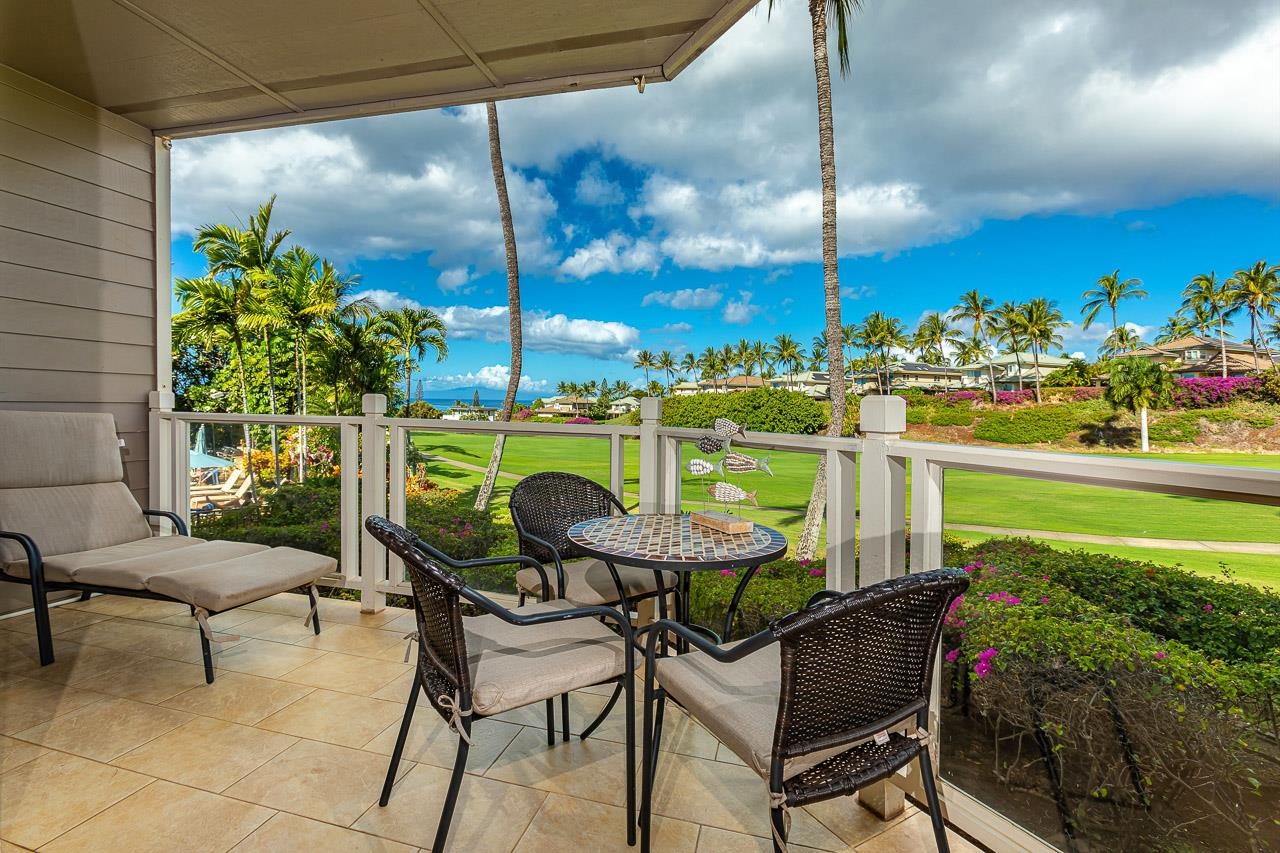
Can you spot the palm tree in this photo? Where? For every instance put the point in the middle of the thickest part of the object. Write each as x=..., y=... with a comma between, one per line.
x=1137, y=384
x=975, y=308
x=1007, y=328
x=688, y=365
x=709, y=363
x=932, y=337
x=644, y=360
x=971, y=351
x=1203, y=294
x=881, y=334
x=763, y=356
x=1177, y=326
x=410, y=331
x=358, y=356
x=1039, y=322
x=848, y=333
x=1121, y=341
x=1108, y=292
x=818, y=354
x=666, y=362
x=1257, y=290
x=784, y=350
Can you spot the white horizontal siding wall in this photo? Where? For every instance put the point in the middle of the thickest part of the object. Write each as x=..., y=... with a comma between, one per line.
x=77, y=263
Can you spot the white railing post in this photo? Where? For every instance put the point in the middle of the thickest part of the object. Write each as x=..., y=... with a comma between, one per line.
x=882, y=482
x=669, y=460
x=373, y=500
x=926, y=514
x=350, y=529
x=160, y=450
x=842, y=523
x=651, y=466
x=618, y=466
x=397, y=510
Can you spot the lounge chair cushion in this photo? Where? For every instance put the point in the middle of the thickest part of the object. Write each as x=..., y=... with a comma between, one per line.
x=63, y=567
x=140, y=572
x=512, y=665
x=240, y=580
x=43, y=449
x=70, y=519
x=737, y=702
x=588, y=582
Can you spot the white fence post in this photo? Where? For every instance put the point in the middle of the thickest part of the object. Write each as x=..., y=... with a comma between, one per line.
x=883, y=482
x=350, y=529
x=397, y=508
x=618, y=466
x=373, y=500
x=842, y=524
x=926, y=514
x=651, y=467
x=160, y=451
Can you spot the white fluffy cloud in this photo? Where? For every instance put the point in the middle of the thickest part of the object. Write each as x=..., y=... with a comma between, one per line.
x=616, y=253
x=493, y=376
x=740, y=311
x=685, y=299
x=387, y=300
x=543, y=331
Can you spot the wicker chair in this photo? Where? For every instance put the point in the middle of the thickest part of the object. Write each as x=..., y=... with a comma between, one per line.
x=544, y=506
x=817, y=702
x=478, y=666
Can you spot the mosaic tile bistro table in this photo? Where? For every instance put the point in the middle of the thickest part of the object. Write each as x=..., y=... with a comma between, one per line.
x=673, y=543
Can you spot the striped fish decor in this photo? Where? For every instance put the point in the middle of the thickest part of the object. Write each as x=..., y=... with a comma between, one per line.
x=699, y=467
x=710, y=444
x=727, y=429
x=728, y=493
x=741, y=463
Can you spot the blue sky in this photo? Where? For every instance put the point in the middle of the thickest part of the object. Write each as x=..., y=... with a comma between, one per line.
x=1048, y=146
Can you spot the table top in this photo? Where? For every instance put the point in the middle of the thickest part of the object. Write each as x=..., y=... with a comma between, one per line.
x=674, y=543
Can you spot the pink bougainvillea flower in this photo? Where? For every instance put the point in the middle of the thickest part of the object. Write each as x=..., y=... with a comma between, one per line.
x=805, y=562
x=1044, y=599
x=728, y=573
x=953, y=655
x=816, y=573
x=1161, y=655
x=1208, y=608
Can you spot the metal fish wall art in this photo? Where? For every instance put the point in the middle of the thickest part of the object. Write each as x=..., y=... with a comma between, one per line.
x=710, y=444
x=728, y=493
x=699, y=467
x=741, y=463
x=727, y=429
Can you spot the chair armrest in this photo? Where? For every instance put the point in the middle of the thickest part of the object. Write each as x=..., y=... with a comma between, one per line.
x=35, y=563
x=178, y=524
x=516, y=618
x=555, y=555
x=821, y=596
x=720, y=653
x=479, y=562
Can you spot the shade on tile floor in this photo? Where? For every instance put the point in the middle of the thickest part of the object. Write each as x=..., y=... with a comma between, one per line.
x=121, y=745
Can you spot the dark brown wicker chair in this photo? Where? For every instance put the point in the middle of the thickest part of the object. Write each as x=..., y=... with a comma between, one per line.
x=544, y=506
x=817, y=702
x=478, y=666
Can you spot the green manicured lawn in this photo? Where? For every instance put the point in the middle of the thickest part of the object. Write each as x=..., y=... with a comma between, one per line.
x=1257, y=569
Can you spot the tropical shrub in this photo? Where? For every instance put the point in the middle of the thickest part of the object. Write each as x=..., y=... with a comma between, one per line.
x=1027, y=426
x=758, y=410
x=1078, y=373
x=1200, y=393
x=1186, y=426
x=580, y=420
x=423, y=409
x=917, y=415
x=1016, y=398
x=952, y=416
x=1268, y=390
x=779, y=588
x=966, y=397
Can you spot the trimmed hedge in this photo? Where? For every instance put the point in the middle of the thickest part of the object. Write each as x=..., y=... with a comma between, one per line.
x=759, y=410
x=1028, y=426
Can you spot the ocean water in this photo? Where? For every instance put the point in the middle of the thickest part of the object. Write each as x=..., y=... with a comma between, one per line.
x=444, y=404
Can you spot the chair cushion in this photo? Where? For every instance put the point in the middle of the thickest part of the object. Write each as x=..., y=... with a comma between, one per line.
x=138, y=572
x=513, y=665
x=63, y=567
x=241, y=580
x=69, y=519
x=737, y=702
x=588, y=582
x=43, y=449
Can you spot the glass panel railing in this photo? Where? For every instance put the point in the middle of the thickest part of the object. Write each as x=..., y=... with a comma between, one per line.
x=1111, y=677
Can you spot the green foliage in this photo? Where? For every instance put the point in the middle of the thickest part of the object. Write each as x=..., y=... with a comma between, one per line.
x=1035, y=425
x=1186, y=426
x=758, y=410
x=779, y=588
x=917, y=415
x=1269, y=390
x=422, y=409
x=1077, y=374
x=954, y=415
x=1135, y=383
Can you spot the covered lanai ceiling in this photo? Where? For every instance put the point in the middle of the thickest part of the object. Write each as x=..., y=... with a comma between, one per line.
x=183, y=68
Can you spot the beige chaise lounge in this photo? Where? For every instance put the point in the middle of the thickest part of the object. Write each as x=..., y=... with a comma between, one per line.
x=69, y=522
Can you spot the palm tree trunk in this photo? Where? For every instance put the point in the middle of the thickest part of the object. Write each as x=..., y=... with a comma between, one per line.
x=1222, y=342
x=271, y=397
x=244, y=399
x=1146, y=445
x=991, y=368
x=1035, y=360
x=513, y=305
x=1253, y=333
x=300, y=370
x=807, y=544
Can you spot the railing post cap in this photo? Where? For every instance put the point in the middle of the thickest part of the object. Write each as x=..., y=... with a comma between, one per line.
x=651, y=409
x=374, y=404
x=161, y=400
x=882, y=414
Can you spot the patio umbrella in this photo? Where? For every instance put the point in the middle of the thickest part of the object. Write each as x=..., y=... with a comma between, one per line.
x=199, y=458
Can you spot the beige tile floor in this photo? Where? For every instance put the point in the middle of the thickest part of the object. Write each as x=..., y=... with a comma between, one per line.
x=121, y=746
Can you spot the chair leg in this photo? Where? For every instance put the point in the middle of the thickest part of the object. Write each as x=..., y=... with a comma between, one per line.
x=520, y=600
x=649, y=768
x=551, y=722
x=192, y=606
x=86, y=595
x=779, y=820
x=564, y=723
x=629, y=686
x=405, y=722
x=315, y=609
x=207, y=652
x=40, y=610
x=455, y=783
x=931, y=797
x=613, y=700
